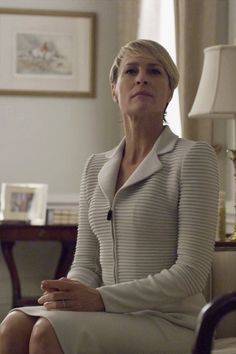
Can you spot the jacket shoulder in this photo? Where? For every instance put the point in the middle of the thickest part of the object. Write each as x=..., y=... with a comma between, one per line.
x=194, y=146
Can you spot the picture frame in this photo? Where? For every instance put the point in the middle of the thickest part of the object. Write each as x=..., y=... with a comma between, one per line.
x=24, y=202
x=47, y=53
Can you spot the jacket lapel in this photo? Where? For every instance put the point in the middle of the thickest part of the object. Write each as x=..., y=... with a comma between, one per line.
x=107, y=176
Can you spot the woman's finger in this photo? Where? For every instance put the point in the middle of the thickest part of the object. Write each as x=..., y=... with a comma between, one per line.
x=66, y=305
x=54, y=305
x=45, y=287
x=54, y=296
x=61, y=284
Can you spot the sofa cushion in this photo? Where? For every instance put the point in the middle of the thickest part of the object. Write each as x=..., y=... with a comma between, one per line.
x=225, y=346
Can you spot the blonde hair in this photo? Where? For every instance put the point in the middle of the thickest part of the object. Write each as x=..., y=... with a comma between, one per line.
x=149, y=47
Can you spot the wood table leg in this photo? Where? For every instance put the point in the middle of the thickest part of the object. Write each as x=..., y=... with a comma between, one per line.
x=7, y=250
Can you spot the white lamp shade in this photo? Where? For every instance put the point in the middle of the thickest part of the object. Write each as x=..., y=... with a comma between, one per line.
x=216, y=95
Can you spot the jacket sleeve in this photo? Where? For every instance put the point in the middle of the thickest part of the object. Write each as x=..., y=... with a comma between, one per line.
x=197, y=221
x=85, y=266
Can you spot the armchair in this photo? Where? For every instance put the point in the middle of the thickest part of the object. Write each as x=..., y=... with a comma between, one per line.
x=221, y=296
x=209, y=318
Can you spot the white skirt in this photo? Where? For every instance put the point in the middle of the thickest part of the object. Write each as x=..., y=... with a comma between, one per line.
x=109, y=333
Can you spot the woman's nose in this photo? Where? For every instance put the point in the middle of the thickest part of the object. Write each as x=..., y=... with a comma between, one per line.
x=141, y=78
x=139, y=82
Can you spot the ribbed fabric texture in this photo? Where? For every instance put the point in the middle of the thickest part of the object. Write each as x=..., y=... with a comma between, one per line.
x=156, y=252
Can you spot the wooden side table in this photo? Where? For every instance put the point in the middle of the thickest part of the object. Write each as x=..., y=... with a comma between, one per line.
x=11, y=233
x=65, y=234
x=225, y=246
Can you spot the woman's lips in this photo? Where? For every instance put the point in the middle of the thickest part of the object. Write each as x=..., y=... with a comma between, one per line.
x=142, y=93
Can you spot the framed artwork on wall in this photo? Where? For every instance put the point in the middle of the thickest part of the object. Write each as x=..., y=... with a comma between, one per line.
x=49, y=53
x=25, y=202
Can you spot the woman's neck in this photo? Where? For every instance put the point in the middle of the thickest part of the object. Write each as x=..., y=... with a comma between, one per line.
x=140, y=138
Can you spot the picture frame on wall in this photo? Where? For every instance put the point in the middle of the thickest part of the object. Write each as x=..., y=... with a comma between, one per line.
x=49, y=53
x=24, y=202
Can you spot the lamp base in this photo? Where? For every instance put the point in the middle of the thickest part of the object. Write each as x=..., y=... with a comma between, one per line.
x=232, y=238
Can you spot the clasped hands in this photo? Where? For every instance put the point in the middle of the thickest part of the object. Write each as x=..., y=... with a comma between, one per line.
x=70, y=295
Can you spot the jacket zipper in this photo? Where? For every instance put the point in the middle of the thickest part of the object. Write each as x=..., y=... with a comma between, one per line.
x=110, y=217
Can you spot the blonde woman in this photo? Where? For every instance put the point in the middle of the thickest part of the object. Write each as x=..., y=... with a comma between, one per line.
x=148, y=213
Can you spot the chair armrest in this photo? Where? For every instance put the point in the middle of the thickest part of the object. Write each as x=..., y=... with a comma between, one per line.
x=209, y=318
x=223, y=282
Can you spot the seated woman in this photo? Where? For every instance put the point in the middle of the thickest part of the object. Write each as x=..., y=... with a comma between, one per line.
x=148, y=215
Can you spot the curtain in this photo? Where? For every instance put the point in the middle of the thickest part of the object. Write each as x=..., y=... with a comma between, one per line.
x=128, y=17
x=196, y=29
x=128, y=20
x=153, y=25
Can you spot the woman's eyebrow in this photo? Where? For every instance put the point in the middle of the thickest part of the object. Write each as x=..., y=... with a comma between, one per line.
x=148, y=64
x=158, y=64
x=131, y=63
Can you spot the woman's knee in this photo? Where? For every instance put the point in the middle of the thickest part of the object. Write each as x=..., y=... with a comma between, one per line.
x=40, y=333
x=16, y=321
x=15, y=325
x=43, y=338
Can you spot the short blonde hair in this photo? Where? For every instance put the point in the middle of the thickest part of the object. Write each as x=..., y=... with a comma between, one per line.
x=149, y=47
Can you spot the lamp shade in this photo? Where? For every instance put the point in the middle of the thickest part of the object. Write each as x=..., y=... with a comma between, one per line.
x=216, y=95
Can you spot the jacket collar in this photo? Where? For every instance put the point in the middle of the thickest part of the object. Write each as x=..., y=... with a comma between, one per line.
x=151, y=163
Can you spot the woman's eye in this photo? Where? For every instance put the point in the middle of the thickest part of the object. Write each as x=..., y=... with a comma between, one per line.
x=131, y=71
x=155, y=71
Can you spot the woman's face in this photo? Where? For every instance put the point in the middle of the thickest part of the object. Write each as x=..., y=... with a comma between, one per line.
x=142, y=86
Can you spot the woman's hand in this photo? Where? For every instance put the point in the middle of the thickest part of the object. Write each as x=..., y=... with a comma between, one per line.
x=67, y=294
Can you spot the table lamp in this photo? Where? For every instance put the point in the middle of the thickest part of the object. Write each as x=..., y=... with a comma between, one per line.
x=216, y=95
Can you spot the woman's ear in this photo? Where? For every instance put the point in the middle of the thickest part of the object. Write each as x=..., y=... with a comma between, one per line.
x=114, y=94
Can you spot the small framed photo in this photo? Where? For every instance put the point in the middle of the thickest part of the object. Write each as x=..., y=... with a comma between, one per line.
x=25, y=202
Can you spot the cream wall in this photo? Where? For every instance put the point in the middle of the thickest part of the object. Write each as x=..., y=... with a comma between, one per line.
x=45, y=139
x=232, y=22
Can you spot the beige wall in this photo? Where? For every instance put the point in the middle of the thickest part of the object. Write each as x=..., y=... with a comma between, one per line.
x=46, y=139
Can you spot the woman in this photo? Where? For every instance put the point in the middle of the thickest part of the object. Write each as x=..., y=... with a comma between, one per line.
x=148, y=213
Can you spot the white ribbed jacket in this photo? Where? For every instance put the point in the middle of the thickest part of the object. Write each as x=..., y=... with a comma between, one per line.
x=155, y=253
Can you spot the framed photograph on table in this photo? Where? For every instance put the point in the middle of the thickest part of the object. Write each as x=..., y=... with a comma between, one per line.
x=25, y=202
x=47, y=53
